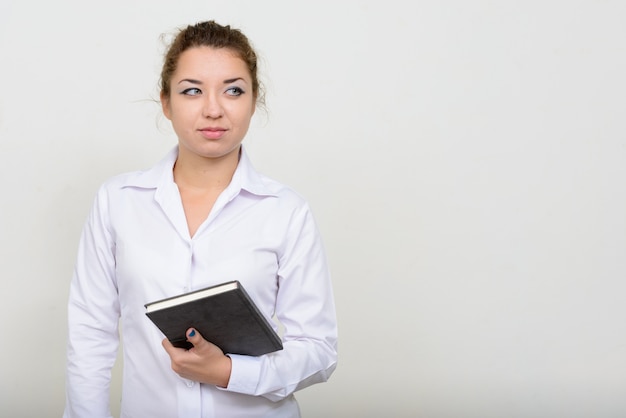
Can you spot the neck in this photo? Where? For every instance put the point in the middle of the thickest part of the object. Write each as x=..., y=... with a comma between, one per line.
x=193, y=171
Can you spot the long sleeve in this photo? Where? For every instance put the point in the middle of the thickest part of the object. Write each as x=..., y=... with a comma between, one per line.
x=93, y=314
x=135, y=248
x=305, y=307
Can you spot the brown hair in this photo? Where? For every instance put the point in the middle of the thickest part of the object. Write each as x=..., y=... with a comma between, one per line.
x=213, y=35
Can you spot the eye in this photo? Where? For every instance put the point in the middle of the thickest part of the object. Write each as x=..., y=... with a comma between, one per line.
x=235, y=91
x=193, y=91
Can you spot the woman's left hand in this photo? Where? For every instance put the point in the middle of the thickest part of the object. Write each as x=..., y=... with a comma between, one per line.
x=204, y=362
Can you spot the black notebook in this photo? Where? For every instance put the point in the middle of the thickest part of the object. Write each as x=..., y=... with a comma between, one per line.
x=224, y=315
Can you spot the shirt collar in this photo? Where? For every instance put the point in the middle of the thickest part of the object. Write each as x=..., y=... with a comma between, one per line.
x=244, y=178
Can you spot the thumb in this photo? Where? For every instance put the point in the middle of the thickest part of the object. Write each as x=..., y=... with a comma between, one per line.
x=194, y=337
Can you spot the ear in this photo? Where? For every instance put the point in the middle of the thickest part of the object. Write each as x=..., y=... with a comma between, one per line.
x=165, y=105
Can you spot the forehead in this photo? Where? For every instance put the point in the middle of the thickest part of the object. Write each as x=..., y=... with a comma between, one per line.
x=207, y=62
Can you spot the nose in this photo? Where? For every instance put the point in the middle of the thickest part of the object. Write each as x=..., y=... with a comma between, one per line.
x=212, y=107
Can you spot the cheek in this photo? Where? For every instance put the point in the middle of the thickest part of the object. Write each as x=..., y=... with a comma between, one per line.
x=182, y=110
x=182, y=119
x=244, y=122
x=245, y=115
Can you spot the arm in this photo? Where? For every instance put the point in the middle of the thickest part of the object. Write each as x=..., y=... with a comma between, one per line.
x=305, y=307
x=93, y=314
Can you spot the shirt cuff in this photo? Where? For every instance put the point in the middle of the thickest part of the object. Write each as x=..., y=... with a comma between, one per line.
x=245, y=374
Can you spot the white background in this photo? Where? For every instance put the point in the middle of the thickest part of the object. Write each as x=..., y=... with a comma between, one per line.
x=466, y=162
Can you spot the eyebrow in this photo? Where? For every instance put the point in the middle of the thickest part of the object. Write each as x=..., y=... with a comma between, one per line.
x=228, y=81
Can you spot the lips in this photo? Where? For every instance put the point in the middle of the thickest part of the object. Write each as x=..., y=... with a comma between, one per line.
x=212, y=132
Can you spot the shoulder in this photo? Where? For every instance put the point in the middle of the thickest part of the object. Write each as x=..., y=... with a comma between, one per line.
x=130, y=178
x=121, y=181
x=285, y=206
x=149, y=178
x=259, y=184
x=282, y=190
x=286, y=203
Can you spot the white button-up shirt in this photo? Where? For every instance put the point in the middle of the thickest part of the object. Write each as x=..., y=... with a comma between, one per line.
x=136, y=248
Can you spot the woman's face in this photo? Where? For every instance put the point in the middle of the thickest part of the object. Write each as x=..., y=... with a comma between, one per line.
x=210, y=103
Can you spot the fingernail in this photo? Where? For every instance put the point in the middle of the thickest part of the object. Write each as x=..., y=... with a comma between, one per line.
x=192, y=333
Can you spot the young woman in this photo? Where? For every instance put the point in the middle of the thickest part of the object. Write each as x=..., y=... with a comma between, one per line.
x=200, y=217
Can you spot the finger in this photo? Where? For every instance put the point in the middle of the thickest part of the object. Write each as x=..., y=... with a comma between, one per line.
x=167, y=345
x=194, y=337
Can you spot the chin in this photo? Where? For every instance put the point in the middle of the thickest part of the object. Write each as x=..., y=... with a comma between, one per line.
x=219, y=153
x=212, y=150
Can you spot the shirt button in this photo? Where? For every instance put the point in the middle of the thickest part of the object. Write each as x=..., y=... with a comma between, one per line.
x=190, y=384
